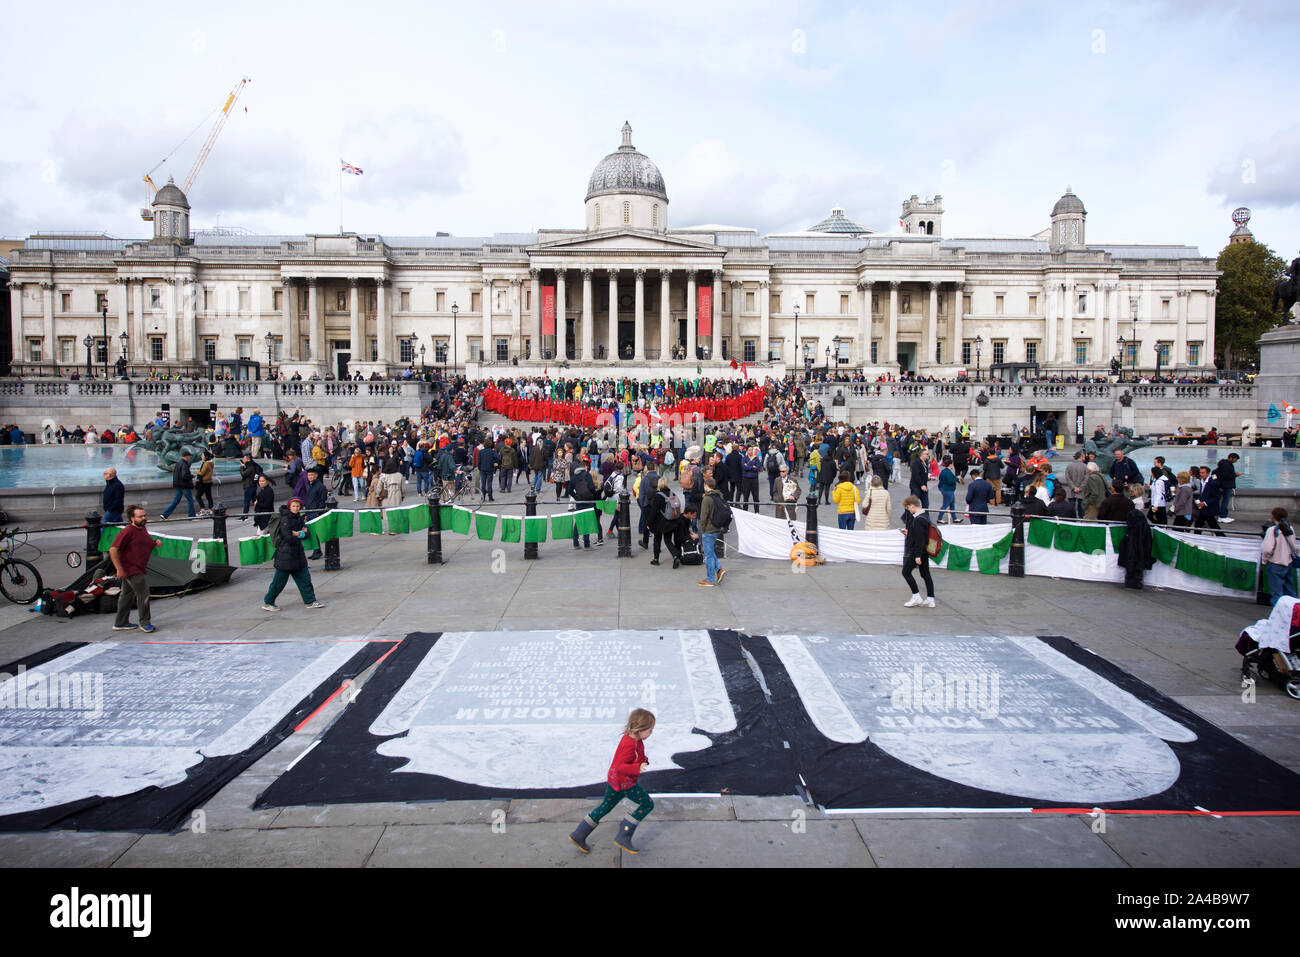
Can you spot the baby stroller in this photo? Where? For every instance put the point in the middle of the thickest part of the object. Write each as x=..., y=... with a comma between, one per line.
x=1269, y=648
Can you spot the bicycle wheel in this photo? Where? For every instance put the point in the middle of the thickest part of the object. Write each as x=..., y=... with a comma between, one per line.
x=20, y=582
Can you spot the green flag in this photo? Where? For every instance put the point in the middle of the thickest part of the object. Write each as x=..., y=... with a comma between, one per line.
x=1002, y=547
x=511, y=529
x=1188, y=559
x=608, y=506
x=958, y=558
x=173, y=547
x=255, y=550
x=1041, y=533
x=420, y=518
x=988, y=561
x=1117, y=536
x=213, y=549
x=1239, y=574
x=107, y=536
x=535, y=529
x=399, y=520
x=1163, y=546
x=485, y=526
x=371, y=521
x=562, y=526
x=461, y=518
x=322, y=526
x=1213, y=566
x=586, y=522
x=343, y=523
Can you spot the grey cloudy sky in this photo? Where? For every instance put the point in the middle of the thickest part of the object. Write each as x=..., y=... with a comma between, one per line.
x=480, y=118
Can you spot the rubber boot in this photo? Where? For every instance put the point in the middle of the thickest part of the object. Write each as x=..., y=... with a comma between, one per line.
x=625, y=832
x=579, y=836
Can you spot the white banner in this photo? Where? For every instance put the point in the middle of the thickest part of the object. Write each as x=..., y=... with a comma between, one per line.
x=760, y=536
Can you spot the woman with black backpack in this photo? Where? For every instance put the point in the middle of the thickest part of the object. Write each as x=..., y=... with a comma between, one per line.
x=663, y=516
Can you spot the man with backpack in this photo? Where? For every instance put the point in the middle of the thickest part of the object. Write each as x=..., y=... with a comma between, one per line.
x=582, y=491
x=772, y=462
x=916, y=555
x=715, y=519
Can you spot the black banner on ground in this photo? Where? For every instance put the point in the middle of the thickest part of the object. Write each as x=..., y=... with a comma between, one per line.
x=473, y=715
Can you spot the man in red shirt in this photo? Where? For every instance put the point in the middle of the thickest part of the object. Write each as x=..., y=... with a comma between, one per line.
x=130, y=553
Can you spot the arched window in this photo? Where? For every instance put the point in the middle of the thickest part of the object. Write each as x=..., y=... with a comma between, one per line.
x=929, y=228
x=596, y=221
x=654, y=216
x=627, y=212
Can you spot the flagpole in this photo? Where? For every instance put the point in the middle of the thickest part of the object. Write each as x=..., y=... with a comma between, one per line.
x=340, y=197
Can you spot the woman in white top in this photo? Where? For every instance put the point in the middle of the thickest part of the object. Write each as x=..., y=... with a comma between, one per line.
x=875, y=506
x=1278, y=554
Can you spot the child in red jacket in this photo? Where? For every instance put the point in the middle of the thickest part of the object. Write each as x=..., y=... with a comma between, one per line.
x=629, y=761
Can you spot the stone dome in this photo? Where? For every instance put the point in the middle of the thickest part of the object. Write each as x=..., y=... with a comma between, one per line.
x=627, y=170
x=1069, y=203
x=171, y=195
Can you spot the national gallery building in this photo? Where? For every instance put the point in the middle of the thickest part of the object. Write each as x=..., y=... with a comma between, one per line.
x=626, y=289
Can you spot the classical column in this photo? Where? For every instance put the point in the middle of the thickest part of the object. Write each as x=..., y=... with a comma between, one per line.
x=1067, y=317
x=123, y=312
x=561, y=318
x=765, y=321
x=173, y=329
x=287, y=351
x=864, y=323
x=16, y=312
x=1049, y=320
x=1208, y=348
x=639, y=315
x=891, y=335
x=47, y=314
x=932, y=326
x=690, y=315
x=1179, y=355
x=141, y=326
x=715, y=317
x=535, y=312
x=489, y=347
x=737, y=293
x=354, y=321
x=955, y=332
x=1097, y=348
x=516, y=315
x=190, y=318
x=588, y=317
x=611, y=332
x=313, y=324
x=383, y=319
x=665, y=316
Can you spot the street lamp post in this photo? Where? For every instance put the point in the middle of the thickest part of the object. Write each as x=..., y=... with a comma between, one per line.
x=979, y=342
x=455, y=310
x=1158, y=358
x=270, y=344
x=88, y=342
x=423, y=367
x=1119, y=361
x=1133, y=307
x=122, y=361
x=826, y=370
x=105, y=315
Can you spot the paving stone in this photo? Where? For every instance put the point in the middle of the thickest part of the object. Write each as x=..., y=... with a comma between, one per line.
x=808, y=843
x=430, y=812
x=250, y=847
x=64, y=848
x=750, y=808
x=1202, y=841
x=478, y=845
x=1037, y=841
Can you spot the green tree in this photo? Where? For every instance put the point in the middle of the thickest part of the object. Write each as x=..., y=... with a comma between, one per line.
x=1250, y=270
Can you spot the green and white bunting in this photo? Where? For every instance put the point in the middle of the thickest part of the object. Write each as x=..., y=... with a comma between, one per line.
x=370, y=521
x=586, y=522
x=485, y=526
x=534, y=529
x=511, y=529
x=212, y=549
x=562, y=526
x=256, y=550
x=107, y=536
x=173, y=546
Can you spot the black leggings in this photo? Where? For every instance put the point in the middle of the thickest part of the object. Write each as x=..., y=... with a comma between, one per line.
x=910, y=566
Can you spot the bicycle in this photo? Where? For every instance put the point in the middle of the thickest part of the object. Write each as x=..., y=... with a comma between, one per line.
x=462, y=488
x=20, y=582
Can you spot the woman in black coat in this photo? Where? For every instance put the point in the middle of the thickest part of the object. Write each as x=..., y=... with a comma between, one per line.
x=290, y=558
x=263, y=502
x=1135, y=551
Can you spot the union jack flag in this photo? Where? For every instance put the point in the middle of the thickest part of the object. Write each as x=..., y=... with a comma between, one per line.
x=349, y=168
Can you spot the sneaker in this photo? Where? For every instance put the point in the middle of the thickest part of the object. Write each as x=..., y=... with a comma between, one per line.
x=654, y=561
x=599, y=542
x=270, y=608
x=677, y=562
x=721, y=572
x=317, y=604
x=914, y=601
x=1227, y=521
x=148, y=629
x=929, y=603
x=705, y=584
x=942, y=521
x=125, y=627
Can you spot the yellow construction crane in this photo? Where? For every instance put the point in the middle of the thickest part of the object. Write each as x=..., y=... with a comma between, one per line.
x=146, y=213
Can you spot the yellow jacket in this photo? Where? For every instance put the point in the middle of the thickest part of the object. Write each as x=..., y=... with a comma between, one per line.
x=846, y=497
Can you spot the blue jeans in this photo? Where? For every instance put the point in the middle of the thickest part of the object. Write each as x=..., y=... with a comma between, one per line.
x=949, y=504
x=1279, y=582
x=537, y=481
x=708, y=542
x=423, y=482
x=189, y=500
x=250, y=493
x=1223, y=505
x=847, y=519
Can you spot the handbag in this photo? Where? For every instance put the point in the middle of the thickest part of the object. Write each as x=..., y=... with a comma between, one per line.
x=866, y=510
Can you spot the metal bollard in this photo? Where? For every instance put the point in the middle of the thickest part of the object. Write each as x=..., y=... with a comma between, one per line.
x=219, y=526
x=433, y=543
x=625, y=524
x=1016, y=566
x=94, y=529
x=810, y=526
x=530, y=510
x=333, y=563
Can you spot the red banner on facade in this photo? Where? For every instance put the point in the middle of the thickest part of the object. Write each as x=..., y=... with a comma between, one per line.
x=704, y=318
x=548, y=310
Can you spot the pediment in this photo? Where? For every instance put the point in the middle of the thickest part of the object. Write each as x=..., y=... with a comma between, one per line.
x=626, y=240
